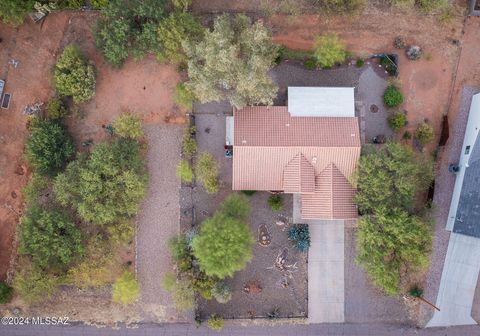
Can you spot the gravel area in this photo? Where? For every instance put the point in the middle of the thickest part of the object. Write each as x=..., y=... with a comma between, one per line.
x=363, y=302
x=158, y=220
x=444, y=183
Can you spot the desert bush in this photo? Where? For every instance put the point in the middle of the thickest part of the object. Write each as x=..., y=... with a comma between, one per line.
x=105, y=186
x=399, y=42
x=176, y=29
x=236, y=206
x=183, y=97
x=221, y=63
x=121, y=233
x=413, y=53
x=340, y=7
x=184, y=172
x=310, y=64
x=14, y=11
x=222, y=292
x=56, y=109
x=49, y=237
x=392, y=96
x=33, y=284
x=299, y=235
x=424, y=134
x=390, y=241
x=128, y=126
x=396, y=121
x=74, y=75
x=429, y=6
x=48, y=147
x=215, y=322
x=35, y=188
x=206, y=171
x=5, y=292
x=329, y=50
x=223, y=245
x=189, y=144
x=125, y=290
x=275, y=202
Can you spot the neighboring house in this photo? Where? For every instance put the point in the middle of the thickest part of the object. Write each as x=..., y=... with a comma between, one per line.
x=310, y=147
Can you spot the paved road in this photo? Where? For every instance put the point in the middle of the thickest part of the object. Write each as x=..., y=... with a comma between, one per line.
x=286, y=330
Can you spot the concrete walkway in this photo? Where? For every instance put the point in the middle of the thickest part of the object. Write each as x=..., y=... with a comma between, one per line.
x=459, y=279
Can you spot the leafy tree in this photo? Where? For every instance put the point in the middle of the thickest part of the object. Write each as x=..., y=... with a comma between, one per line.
x=389, y=241
x=56, y=109
x=129, y=27
x=232, y=62
x=391, y=176
x=5, y=293
x=50, y=238
x=125, y=290
x=74, y=75
x=223, y=245
x=48, y=146
x=184, y=172
x=183, y=97
x=106, y=186
x=299, y=234
x=215, y=322
x=33, y=284
x=392, y=96
x=35, y=188
x=128, y=126
x=14, y=11
x=397, y=121
x=206, y=170
x=236, y=206
x=424, y=134
x=329, y=50
x=175, y=29
x=275, y=202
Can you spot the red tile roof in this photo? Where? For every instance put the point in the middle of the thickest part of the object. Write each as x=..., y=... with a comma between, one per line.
x=299, y=176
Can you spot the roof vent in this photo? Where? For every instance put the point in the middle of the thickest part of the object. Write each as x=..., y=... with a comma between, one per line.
x=314, y=160
x=244, y=141
x=353, y=134
x=288, y=125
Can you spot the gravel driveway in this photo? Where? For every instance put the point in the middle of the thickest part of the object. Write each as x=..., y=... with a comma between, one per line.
x=158, y=220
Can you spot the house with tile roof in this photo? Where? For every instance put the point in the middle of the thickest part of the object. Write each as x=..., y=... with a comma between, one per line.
x=309, y=147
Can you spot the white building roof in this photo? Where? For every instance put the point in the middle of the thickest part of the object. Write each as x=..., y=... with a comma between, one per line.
x=321, y=101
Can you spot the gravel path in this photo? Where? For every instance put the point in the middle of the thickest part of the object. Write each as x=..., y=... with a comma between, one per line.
x=158, y=220
x=444, y=183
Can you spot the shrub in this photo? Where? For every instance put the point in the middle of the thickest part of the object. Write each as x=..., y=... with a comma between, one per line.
x=414, y=53
x=249, y=192
x=424, y=134
x=407, y=135
x=56, y=109
x=399, y=42
x=360, y=63
x=416, y=292
x=236, y=206
x=189, y=145
x=169, y=281
x=223, y=245
x=184, y=172
x=50, y=238
x=206, y=170
x=222, y=292
x=299, y=235
x=429, y=6
x=35, y=188
x=125, y=290
x=341, y=7
x=128, y=126
x=397, y=121
x=182, y=4
x=33, y=284
x=392, y=96
x=99, y=4
x=105, y=186
x=275, y=202
x=74, y=76
x=5, y=293
x=183, y=97
x=221, y=63
x=121, y=233
x=181, y=252
x=14, y=12
x=215, y=322
x=390, y=67
x=329, y=50
x=310, y=64
x=48, y=147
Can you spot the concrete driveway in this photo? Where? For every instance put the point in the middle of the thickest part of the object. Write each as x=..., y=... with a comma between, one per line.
x=326, y=268
x=459, y=279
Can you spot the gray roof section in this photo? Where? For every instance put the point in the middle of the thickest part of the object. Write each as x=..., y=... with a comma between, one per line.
x=467, y=219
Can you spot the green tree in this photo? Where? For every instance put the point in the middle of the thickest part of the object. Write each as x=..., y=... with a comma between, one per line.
x=74, y=75
x=129, y=126
x=14, y=11
x=125, y=290
x=329, y=50
x=106, y=186
x=176, y=29
x=50, y=238
x=129, y=27
x=390, y=241
x=223, y=245
x=392, y=96
x=33, y=284
x=206, y=170
x=424, y=134
x=392, y=176
x=231, y=62
x=36, y=187
x=48, y=147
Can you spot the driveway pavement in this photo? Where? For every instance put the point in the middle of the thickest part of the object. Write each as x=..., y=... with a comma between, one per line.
x=459, y=279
